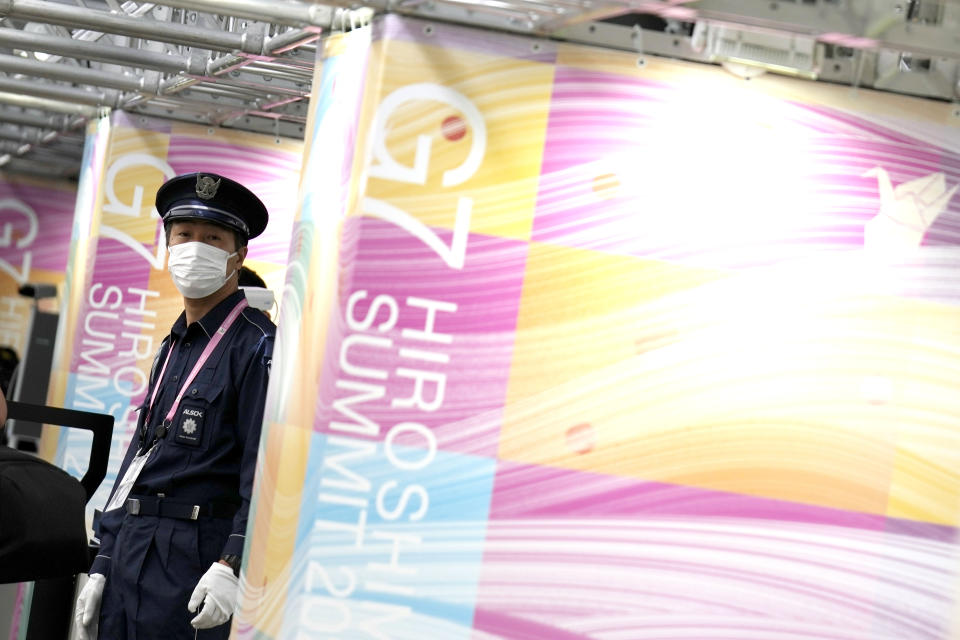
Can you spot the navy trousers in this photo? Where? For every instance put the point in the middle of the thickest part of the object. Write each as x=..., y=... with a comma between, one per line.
x=156, y=565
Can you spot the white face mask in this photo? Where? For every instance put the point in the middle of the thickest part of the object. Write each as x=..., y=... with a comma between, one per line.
x=198, y=269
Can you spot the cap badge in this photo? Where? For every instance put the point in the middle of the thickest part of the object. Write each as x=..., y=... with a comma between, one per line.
x=207, y=187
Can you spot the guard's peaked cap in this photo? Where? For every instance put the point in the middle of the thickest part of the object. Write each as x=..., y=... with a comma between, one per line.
x=214, y=198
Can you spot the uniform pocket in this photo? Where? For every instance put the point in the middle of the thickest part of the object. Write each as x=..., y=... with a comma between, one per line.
x=195, y=415
x=186, y=544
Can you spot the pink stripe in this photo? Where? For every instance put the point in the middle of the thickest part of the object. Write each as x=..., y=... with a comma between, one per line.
x=17, y=611
x=529, y=491
x=861, y=125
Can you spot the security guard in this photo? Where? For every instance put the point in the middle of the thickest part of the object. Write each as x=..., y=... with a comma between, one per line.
x=172, y=533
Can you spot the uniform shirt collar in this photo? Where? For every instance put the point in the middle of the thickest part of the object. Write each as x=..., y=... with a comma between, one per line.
x=210, y=322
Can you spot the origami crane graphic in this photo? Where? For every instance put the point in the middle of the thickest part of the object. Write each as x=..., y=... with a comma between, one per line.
x=906, y=211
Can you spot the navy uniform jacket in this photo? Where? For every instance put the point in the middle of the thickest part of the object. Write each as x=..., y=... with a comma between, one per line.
x=209, y=454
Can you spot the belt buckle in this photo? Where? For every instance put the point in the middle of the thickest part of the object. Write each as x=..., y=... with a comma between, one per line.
x=133, y=506
x=195, y=513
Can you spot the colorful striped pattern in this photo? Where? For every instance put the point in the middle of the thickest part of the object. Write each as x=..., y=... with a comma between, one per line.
x=695, y=377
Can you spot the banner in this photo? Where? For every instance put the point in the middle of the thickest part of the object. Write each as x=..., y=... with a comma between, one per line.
x=121, y=301
x=581, y=344
x=35, y=219
x=35, y=222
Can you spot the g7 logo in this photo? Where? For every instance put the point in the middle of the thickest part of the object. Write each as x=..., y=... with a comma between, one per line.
x=114, y=205
x=383, y=165
x=7, y=228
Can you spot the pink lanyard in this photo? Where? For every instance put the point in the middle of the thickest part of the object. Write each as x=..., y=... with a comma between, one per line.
x=214, y=341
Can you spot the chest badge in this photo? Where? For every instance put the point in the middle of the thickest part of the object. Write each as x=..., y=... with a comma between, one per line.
x=190, y=425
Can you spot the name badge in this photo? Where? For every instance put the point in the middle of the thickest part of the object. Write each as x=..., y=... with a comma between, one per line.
x=190, y=425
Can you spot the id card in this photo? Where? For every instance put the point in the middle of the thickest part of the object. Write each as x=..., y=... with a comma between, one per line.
x=129, y=479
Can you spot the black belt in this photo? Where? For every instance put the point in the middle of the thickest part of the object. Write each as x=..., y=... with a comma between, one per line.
x=164, y=508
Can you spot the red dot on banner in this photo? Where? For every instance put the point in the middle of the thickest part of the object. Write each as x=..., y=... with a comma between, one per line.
x=581, y=438
x=453, y=128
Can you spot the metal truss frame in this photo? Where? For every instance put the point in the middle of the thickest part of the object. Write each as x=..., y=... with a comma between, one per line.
x=248, y=64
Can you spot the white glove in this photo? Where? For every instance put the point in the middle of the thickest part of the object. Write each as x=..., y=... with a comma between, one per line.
x=217, y=591
x=87, y=614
